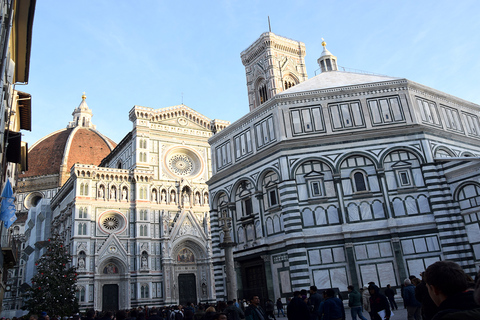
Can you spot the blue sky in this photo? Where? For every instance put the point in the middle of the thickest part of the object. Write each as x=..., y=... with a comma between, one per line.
x=125, y=53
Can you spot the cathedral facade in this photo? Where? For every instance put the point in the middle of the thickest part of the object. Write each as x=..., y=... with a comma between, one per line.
x=344, y=178
x=137, y=222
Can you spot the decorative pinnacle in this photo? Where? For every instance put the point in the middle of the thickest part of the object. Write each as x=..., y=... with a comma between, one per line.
x=324, y=44
x=84, y=96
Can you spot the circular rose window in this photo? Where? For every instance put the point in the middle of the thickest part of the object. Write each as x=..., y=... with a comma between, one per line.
x=183, y=162
x=112, y=222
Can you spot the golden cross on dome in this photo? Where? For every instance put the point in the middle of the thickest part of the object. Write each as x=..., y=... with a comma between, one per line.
x=84, y=96
x=324, y=44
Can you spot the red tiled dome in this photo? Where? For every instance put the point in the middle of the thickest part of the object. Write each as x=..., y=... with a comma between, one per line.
x=59, y=151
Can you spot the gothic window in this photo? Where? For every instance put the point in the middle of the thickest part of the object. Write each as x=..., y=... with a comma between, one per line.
x=143, y=231
x=144, y=291
x=262, y=93
x=247, y=207
x=82, y=229
x=81, y=189
x=359, y=181
x=143, y=215
x=81, y=295
x=141, y=195
x=80, y=213
x=86, y=189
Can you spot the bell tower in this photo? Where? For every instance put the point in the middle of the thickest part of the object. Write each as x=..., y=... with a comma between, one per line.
x=272, y=64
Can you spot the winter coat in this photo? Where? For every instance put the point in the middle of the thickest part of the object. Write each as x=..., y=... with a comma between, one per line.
x=458, y=307
x=354, y=299
x=409, y=296
x=366, y=300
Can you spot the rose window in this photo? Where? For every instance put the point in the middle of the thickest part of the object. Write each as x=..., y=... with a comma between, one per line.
x=181, y=164
x=111, y=223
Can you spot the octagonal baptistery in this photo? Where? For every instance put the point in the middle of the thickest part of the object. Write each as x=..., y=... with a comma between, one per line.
x=51, y=158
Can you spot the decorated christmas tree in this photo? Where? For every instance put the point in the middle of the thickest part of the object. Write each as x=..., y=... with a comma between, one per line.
x=53, y=288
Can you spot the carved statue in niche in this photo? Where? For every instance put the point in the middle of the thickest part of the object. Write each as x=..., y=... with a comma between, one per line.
x=144, y=262
x=186, y=199
x=197, y=199
x=164, y=196
x=101, y=192
x=205, y=199
x=113, y=194
x=154, y=196
x=124, y=194
x=81, y=263
x=172, y=197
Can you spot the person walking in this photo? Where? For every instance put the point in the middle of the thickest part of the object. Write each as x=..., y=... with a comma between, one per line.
x=355, y=303
x=390, y=294
x=314, y=303
x=280, y=307
x=378, y=304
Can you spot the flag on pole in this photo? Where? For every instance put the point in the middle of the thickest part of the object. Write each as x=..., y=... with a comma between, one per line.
x=7, y=211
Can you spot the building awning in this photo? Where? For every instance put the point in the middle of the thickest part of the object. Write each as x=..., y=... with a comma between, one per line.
x=25, y=107
x=22, y=35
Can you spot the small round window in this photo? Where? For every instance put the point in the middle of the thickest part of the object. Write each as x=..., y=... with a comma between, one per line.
x=112, y=222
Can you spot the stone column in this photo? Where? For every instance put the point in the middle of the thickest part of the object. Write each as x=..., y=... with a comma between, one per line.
x=227, y=245
x=268, y=275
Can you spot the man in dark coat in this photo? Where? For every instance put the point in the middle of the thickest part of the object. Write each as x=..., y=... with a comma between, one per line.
x=390, y=294
x=233, y=312
x=447, y=285
x=429, y=308
x=378, y=302
x=254, y=311
x=297, y=308
x=314, y=303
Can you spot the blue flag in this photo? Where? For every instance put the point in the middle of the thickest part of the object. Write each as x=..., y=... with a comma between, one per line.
x=7, y=211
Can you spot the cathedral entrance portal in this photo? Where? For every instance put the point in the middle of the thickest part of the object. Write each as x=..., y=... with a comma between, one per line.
x=110, y=297
x=187, y=288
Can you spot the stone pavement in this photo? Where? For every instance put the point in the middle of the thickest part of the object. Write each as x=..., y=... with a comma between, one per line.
x=399, y=314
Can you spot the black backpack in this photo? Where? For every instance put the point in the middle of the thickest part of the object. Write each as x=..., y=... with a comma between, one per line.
x=178, y=316
x=230, y=314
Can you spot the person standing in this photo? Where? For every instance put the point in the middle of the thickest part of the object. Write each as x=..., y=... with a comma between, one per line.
x=297, y=308
x=270, y=309
x=355, y=303
x=428, y=306
x=447, y=285
x=233, y=312
x=366, y=299
x=314, y=303
x=280, y=307
x=390, y=294
x=332, y=307
x=254, y=311
x=414, y=308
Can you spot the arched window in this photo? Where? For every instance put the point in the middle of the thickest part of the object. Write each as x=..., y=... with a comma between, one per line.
x=86, y=189
x=359, y=181
x=81, y=189
x=469, y=196
x=80, y=213
x=144, y=291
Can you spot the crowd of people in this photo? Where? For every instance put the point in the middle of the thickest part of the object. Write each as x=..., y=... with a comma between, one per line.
x=444, y=292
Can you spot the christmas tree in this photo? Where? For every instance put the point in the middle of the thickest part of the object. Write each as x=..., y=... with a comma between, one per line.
x=53, y=288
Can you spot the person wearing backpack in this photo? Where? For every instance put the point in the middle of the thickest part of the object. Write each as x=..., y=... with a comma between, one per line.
x=233, y=312
x=176, y=314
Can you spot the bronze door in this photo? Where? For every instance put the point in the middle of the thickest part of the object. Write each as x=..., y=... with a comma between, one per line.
x=187, y=288
x=110, y=297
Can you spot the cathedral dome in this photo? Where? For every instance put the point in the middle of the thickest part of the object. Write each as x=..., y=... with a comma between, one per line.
x=56, y=153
